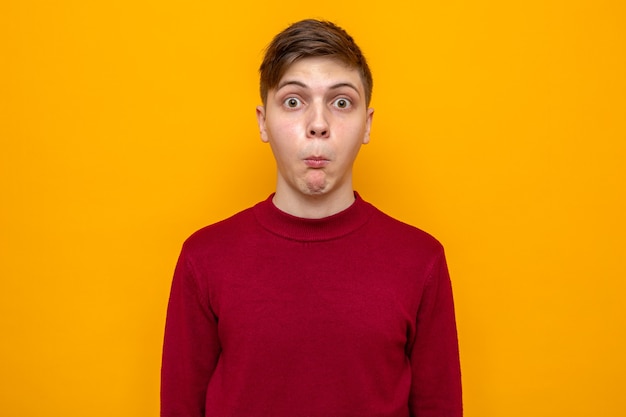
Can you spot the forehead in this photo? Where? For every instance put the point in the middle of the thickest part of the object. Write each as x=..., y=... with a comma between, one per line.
x=320, y=70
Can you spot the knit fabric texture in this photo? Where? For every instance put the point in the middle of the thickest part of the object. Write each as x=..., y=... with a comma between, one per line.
x=272, y=315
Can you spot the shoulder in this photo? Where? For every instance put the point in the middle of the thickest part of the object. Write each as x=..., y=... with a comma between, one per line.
x=403, y=235
x=219, y=234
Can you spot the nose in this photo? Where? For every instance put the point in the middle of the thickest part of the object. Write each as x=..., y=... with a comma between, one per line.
x=318, y=126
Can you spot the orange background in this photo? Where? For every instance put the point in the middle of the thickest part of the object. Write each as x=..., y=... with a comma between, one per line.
x=500, y=128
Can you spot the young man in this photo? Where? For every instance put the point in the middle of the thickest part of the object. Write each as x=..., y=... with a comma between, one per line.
x=312, y=303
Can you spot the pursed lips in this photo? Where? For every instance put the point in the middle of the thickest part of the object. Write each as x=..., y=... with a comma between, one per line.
x=316, y=161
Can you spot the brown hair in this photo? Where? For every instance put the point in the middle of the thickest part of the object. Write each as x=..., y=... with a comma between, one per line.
x=311, y=38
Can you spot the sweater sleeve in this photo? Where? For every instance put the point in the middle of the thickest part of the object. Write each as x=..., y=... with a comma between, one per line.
x=191, y=346
x=434, y=356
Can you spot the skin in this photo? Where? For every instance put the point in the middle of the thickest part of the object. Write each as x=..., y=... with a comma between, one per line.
x=315, y=121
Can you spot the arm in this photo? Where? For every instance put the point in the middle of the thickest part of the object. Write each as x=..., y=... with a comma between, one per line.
x=434, y=356
x=190, y=348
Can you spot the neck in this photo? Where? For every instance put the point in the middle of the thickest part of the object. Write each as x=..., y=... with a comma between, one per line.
x=313, y=206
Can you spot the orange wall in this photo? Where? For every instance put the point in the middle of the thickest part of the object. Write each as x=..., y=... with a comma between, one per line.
x=500, y=128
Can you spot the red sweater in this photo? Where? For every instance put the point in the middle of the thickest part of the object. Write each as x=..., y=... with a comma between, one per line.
x=272, y=315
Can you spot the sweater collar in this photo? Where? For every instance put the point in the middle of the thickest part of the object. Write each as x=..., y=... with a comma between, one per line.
x=302, y=229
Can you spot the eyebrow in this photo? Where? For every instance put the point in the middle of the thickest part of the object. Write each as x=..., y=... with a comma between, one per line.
x=332, y=87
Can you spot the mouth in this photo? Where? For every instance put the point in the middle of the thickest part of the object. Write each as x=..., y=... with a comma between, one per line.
x=316, y=161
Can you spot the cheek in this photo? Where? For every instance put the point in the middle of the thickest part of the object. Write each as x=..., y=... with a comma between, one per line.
x=283, y=140
x=353, y=139
x=283, y=131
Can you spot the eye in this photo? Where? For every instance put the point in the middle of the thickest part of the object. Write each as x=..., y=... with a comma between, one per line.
x=342, y=103
x=292, y=102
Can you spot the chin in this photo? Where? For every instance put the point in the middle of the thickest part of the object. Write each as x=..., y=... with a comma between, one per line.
x=316, y=185
x=316, y=191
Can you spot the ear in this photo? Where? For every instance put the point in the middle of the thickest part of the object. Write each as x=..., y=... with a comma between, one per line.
x=368, y=126
x=260, y=118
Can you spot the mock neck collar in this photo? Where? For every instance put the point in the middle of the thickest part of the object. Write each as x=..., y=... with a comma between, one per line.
x=303, y=229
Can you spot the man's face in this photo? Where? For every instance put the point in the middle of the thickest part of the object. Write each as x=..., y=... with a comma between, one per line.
x=315, y=120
